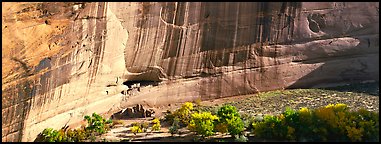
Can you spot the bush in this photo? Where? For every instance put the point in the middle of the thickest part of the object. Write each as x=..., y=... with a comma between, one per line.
x=155, y=121
x=369, y=121
x=229, y=116
x=184, y=113
x=136, y=124
x=198, y=101
x=98, y=124
x=169, y=117
x=247, y=120
x=156, y=125
x=330, y=123
x=143, y=126
x=50, y=135
x=227, y=112
x=175, y=126
x=136, y=129
x=240, y=138
x=271, y=127
x=221, y=127
x=235, y=126
x=202, y=123
x=117, y=122
x=77, y=135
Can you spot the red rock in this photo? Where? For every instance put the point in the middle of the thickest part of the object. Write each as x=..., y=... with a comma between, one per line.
x=56, y=73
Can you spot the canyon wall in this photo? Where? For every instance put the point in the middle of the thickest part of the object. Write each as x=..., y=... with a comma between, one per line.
x=62, y=61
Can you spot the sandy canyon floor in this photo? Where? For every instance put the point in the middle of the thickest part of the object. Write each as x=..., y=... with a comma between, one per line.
x=273, y=102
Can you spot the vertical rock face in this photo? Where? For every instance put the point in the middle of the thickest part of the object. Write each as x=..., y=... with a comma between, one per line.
x=61, y=61
x=51, y=54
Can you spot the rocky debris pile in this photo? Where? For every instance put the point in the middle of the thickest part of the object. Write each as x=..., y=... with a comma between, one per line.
x=129, y=90
x=137, y=111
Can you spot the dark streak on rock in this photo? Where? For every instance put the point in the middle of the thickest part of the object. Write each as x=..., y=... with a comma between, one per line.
x=98, y=47
x=24, y=65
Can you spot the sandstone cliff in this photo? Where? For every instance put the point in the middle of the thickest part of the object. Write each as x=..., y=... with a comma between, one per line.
x=61, y=61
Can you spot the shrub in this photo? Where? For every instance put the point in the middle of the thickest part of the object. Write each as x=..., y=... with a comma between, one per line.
x=235, y=126
x=155, y=121
x=117, y=122
x=175, y=126
x=169, y=117
x=229, y=116
x=98, y=124
x=329, y=123
x=136, y=129
x=76, y=135
x=247, y=120
x=50, y=135
x=227, y=112
x=369, y=121
x=240, y=138
x=136, y=124
x=184, y=113
x=143, y=126
x=271, y=127
x=221, y=127
x=156, y=124
x=198, y=101
x=202, y=123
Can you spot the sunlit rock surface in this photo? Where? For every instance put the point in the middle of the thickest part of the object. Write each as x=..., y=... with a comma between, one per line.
x=61, y=61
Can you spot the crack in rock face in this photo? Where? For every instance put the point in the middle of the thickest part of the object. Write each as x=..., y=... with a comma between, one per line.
x=316, y=22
